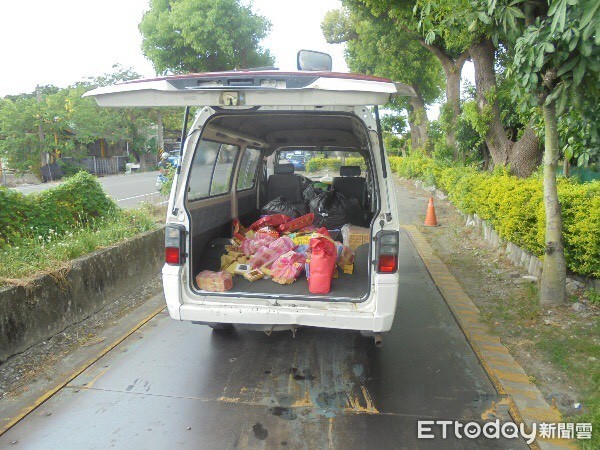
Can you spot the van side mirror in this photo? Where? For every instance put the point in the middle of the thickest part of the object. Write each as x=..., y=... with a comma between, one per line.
x=314, y=61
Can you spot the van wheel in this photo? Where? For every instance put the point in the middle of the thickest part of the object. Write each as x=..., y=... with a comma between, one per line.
x=220, y=326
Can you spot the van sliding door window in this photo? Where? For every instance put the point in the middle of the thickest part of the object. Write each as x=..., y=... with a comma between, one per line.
x=210, y=174
x=247, y=174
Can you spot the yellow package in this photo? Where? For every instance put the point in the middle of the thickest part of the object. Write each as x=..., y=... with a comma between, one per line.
x=231, y=268
x=242, y=259
x=226, y=260
x=266, y=271
x=302, y=239
x=348, y=269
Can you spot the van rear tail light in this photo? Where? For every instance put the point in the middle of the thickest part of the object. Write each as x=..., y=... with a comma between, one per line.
x=175, y=244
x=386, y=251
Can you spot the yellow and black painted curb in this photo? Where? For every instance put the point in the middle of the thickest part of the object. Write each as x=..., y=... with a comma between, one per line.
x=526, y=403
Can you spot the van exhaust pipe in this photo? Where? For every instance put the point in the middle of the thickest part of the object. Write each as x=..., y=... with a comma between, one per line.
x=378, y=340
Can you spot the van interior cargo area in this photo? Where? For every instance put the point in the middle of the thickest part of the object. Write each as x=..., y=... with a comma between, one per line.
x=268, y=135
x=354, y=286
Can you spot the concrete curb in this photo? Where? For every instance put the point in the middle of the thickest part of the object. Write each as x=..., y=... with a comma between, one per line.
x=528, y=405
x=52, y=302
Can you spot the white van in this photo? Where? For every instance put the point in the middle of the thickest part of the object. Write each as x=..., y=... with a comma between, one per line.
x=230, y=169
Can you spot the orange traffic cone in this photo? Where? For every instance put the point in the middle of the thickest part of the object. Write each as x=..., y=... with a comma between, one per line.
x=430, y=219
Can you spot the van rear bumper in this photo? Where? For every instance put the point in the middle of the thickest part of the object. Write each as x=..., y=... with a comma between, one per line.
x=280, y=315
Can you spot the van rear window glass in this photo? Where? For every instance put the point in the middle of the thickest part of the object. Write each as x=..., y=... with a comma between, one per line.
x=248, y=166
x=211, y=169
x=223, y=169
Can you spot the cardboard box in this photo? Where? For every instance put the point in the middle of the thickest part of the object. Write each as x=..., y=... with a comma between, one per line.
x=354, y=236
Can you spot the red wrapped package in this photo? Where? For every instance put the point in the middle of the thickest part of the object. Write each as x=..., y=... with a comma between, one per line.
x=271, y=221
x=287, y=267
x=239, y=232
x=296, y=224
x=322, y=262
x=266, y=255
x=267, y=231
x=214, y=281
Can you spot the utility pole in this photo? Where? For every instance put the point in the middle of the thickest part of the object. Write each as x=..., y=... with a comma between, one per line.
x=43, y=159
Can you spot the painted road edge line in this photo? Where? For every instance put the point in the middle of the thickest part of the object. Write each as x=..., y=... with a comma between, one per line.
x=46, y=396
x=527, y=404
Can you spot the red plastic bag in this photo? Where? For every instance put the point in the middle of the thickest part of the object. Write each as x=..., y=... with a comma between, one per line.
x=296, y=224
x=322, y=264
x=271, y=221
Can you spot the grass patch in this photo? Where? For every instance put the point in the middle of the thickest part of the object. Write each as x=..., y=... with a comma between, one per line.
x=33, y=253
x=566, y=339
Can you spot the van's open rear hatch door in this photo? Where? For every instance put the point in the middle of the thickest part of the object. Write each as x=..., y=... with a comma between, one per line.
x=247, y=88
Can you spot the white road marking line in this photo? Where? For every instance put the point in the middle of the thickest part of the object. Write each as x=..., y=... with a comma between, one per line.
x=136, y=196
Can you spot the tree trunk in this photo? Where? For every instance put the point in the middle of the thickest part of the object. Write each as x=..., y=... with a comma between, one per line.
x=524, y=155
x=418, y=123
x=452, y=72
x=552, y=290
x=159, y=132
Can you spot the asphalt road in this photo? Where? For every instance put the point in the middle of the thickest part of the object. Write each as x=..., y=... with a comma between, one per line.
x=127, y=189
x=179, y=385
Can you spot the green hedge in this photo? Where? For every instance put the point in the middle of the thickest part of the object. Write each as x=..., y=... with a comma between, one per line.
x=318, y=164
x=77, y=202
x=515, y=208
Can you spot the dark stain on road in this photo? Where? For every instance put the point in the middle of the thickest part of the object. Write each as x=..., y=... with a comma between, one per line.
x=283, y=412
x=260, y=432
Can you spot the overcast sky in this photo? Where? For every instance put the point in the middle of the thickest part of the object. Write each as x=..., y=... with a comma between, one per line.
x=63, y=41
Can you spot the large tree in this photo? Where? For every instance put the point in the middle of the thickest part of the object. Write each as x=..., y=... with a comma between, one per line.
x=447, y=18
x=203, y=36
x=557, y=59
x=450, y=49
x=376, y=46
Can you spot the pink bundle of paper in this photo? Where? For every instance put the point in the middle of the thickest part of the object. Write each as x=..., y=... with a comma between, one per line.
x=251, y=246
x=266, y=255
x=214, y=281
x=287, y=267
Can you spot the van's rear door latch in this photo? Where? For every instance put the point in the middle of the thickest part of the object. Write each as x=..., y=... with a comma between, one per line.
x=232, y=98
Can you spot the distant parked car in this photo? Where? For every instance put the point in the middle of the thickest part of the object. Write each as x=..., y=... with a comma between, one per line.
x=299, y=162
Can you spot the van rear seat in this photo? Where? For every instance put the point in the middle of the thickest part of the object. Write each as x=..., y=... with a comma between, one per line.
x=284, y=183
x=352, y=185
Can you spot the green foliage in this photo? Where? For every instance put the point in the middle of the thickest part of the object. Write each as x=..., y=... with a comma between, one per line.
x=319, y=164
x=79, y=201
x=514, y=206
x=203, y=36
x=33, y=254
x=70, y=122
x=375, y=45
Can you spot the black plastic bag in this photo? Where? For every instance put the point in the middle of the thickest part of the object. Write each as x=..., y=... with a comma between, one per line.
x=280, y=205
x=309, y=193
x=329, y=209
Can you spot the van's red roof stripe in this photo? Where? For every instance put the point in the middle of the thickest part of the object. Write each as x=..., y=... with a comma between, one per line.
x=351, y=76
